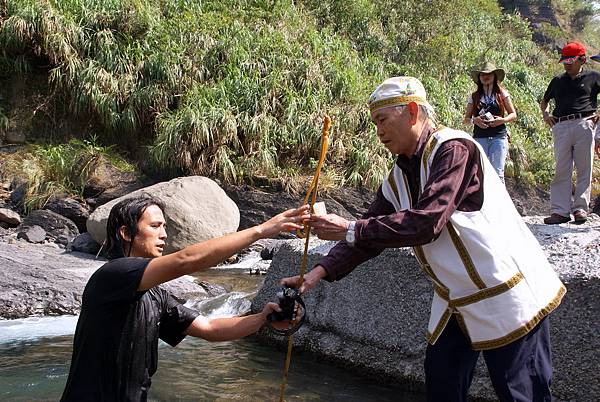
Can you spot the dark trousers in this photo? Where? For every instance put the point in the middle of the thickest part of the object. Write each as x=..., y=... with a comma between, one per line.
x=520, y=371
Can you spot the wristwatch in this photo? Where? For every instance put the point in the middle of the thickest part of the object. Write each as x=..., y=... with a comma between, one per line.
x=350, y=235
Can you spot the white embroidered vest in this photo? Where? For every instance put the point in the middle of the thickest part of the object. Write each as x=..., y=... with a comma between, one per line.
x=486, y=266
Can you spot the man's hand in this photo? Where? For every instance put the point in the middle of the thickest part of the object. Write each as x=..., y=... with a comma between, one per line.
x=329, y=227
x=290, y=220
x=311, y=279
x=479, y=122
x=550, y=120
x=269, y=308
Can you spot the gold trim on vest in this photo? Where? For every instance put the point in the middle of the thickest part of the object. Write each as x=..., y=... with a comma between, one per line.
x=431, y=143
x=442, y=292
x=523, y=330
x=478, y=296
x=394, y=187
x=432, y=337
x=406, y=186
x=487, y=293
x=422, y=260
x=465, y=257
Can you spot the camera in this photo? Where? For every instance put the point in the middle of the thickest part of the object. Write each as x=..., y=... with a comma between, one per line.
x=487, y=116
x=287, y=302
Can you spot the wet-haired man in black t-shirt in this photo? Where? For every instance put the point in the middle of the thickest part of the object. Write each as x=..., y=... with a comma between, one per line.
x=124, y=312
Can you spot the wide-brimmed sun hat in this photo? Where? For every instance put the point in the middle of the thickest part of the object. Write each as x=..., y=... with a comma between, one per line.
x=398, y=91
x=571, y=51
x=487, y=67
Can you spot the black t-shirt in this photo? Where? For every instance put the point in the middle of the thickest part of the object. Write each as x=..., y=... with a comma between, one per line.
x=574, y=95
x=489, y=104
x=115, y=349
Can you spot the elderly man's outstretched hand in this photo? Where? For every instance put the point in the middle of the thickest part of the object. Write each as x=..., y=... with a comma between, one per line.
x=329, y=227
x=311, y=279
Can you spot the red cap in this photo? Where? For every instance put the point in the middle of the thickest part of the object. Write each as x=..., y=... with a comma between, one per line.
x=571, y=51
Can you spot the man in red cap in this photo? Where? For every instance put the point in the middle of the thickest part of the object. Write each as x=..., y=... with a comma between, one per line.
x=573, y=122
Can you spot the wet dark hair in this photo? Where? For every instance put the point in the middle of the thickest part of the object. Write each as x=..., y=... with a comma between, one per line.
x=126, y=213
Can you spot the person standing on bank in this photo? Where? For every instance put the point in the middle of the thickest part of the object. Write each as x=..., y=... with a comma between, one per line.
x=489, y=108
x=493, y=286
x=124, y=312
x=573, y=122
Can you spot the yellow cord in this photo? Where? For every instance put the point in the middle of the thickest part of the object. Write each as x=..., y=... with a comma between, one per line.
x=312, y=190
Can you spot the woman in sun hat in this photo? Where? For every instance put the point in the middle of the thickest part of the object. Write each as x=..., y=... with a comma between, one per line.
x=489, y=108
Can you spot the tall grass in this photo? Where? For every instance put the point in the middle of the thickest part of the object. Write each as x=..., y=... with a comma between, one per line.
x=51, y=170
x=237, y=89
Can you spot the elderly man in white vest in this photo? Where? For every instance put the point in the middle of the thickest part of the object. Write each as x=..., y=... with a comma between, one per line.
x=493, y=286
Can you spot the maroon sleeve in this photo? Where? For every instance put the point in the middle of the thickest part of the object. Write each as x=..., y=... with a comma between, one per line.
x=454, y=183
x=342, y=259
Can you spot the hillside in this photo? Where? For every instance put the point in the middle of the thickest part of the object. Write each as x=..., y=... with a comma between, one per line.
x=236, y=89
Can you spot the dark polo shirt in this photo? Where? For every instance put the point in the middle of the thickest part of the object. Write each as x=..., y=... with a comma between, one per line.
x=574, y=95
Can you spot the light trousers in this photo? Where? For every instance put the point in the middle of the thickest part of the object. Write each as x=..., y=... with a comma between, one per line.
x=573, y=146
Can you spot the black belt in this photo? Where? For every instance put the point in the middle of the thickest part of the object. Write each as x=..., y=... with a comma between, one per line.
x=573, y=116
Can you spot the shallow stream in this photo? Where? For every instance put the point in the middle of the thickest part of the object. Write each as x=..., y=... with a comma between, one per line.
x=35, y=355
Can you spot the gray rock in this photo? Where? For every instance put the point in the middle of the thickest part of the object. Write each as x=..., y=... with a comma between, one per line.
x=196, y=209
x=375, y=319
x=269, y=249
x=59, y=228
x=71, y=209
x=10, y=217
x=85, y=243
x=33, y=234
x=42, y=280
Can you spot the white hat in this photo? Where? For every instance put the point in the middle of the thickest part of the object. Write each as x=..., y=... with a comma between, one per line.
x=397, y=91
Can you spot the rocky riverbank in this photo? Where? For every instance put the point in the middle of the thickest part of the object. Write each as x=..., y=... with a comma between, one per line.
x=374, y=320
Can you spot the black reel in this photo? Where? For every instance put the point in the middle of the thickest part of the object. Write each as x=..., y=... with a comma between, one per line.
x=287, y=299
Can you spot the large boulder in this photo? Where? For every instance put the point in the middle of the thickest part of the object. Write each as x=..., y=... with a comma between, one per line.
x=374, y=320
x=196, y=209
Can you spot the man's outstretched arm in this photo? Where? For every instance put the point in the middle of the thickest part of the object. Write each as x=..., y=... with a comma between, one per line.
x=230, y=328
x=209, y=253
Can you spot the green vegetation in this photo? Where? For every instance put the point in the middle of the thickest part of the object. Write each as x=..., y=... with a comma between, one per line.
x=58, y=169
x=237, y=89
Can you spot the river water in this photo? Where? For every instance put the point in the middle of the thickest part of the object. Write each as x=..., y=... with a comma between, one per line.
x=35, y=355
